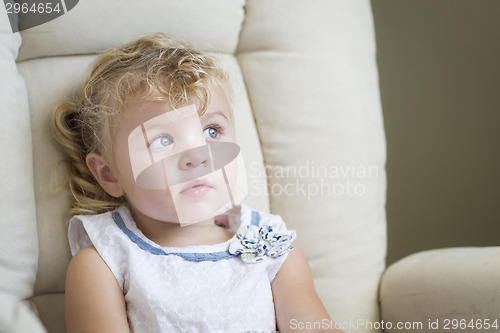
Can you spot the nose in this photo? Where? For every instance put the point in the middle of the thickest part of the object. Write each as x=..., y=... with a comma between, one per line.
x=195, y=157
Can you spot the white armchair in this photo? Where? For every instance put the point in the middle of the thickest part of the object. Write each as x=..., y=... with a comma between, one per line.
x=308, y=118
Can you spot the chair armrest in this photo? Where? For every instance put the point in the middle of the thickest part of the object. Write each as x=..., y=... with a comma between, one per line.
x=15, y=317
x=439, y=286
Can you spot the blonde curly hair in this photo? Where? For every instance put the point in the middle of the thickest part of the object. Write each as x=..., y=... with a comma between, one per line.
x=150, y=66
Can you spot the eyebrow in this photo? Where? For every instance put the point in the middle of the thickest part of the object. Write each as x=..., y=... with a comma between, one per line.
x=213, y=114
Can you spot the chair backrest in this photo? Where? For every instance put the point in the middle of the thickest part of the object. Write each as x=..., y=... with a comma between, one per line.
x=308, y=119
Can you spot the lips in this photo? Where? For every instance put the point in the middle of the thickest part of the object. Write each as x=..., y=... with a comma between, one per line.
x=197, y=187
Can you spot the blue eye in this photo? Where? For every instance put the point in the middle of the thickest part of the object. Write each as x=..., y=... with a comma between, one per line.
x=211, y=132
x=161, y=142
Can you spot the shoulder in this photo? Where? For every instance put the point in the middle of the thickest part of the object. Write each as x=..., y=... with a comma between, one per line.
x=88, y=267
x=294, y=294
x=86, y=254
x=87, y=273
x=87, y=262
x=92, y=294
x=82, y=222
x=91, y=230
x=294, y=275
x=296, y=263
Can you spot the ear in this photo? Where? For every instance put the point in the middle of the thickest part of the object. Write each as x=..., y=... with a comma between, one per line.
x=103, y=174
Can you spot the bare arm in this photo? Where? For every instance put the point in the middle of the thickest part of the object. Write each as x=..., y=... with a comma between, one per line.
x=295, y=298
x=94, y=301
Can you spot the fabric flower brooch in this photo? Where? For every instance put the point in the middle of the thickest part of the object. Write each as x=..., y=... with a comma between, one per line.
x=256, y=242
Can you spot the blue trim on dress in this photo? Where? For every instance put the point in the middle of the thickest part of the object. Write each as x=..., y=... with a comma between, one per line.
x=255, y=218
x=213, y=256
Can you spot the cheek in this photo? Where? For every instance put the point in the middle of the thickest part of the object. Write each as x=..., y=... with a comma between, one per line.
x=232, y=174
x=138, y=194
x=237, y=178
x=122, y=165
x=156, y=204
x=230, y=135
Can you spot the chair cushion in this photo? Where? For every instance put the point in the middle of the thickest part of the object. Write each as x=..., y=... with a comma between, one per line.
x=444, y=288
x=18, y=236
x=16, y=317
x=312, y=78
x=307, y=74
x=94, y=25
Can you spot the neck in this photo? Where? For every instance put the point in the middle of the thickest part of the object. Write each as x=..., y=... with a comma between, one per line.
x=173, y=234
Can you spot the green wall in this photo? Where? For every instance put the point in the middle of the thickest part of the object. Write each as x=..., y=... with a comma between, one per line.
x=439, y=67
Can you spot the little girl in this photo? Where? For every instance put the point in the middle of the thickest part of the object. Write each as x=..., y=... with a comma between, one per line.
x=159, y=241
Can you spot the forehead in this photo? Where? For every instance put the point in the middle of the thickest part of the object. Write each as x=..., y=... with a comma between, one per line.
x=137, y=112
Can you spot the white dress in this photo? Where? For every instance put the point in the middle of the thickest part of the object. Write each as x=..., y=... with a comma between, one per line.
x=224, y=287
